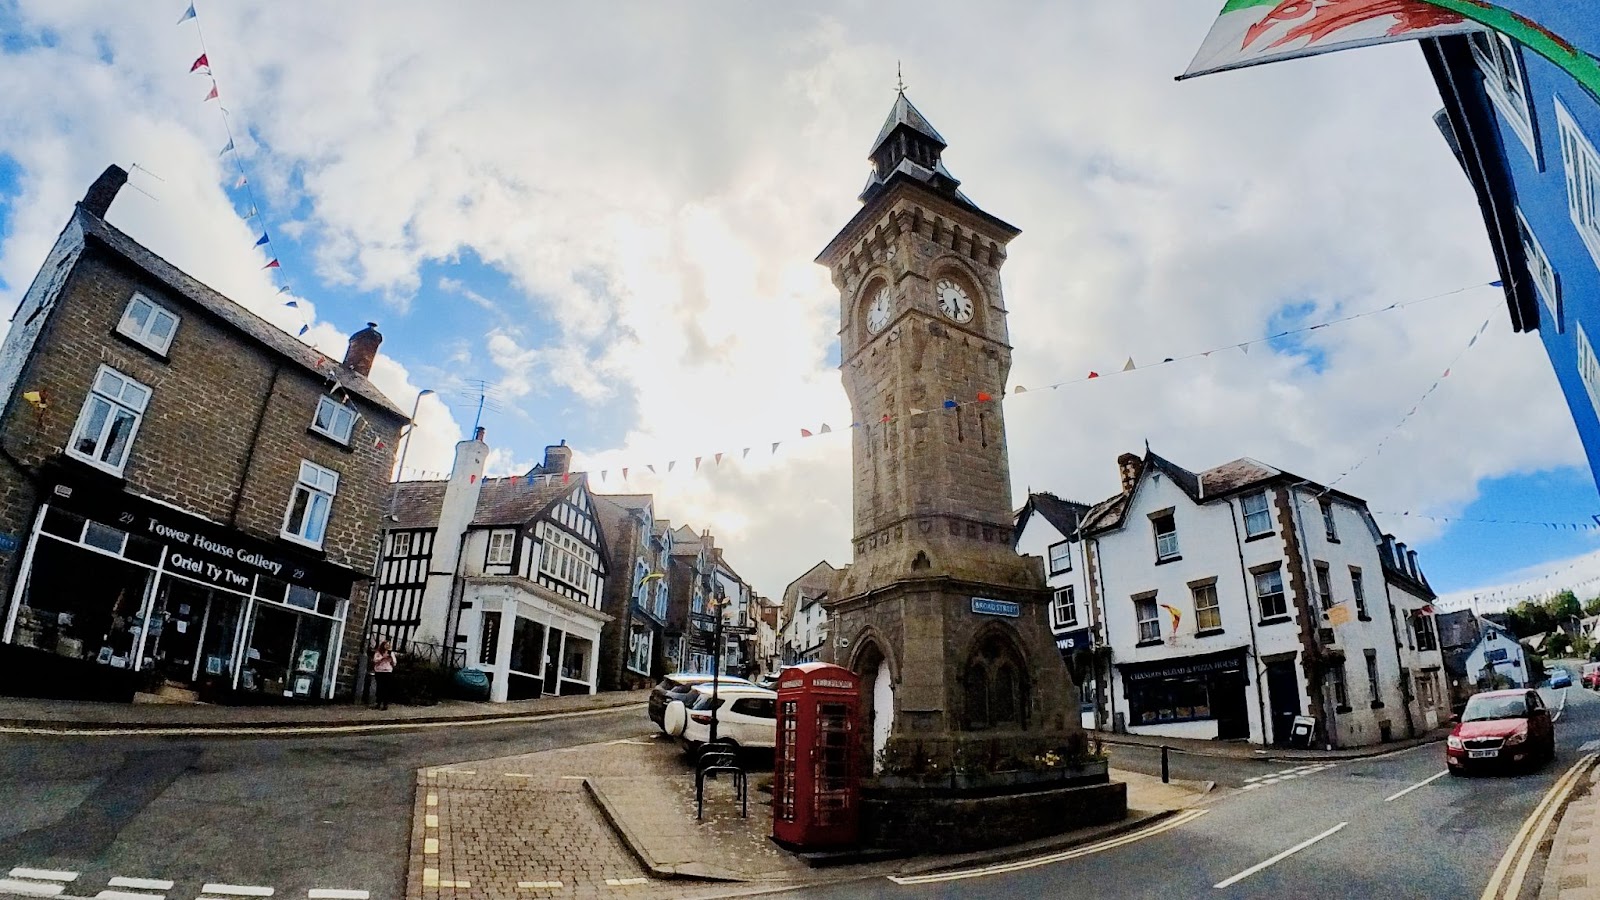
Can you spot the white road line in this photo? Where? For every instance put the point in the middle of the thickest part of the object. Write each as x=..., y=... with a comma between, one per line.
x=336, y=894
x=43, y=874
x=539, y=885
x=145, y=884
x=237, y=890
x=128, y=895
x=1182, y=818
x=624, y=882
x=1279, y=858
x=1399, y=794
x=31, y=888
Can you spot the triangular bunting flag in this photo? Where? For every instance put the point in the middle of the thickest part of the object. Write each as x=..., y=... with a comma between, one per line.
x=719, y=459
x=1167, y=360
x=984, y=397
x=1245, y=348
x=1497, y=283
x=651, y=467
x=745, y=454
x=917, y=412
x=261, y=240
x=272, y=265
x=566, y=477
x=285, y=290
x=884, y=420
x=201, y=63
x=213, y=94
x=603, y=475
x=1129, y=366
x=304, y=329
x=775, y=446
x=950, y=404
x=187, y=15
x=293, y=304
x=228, y=148
x=1093, y=374
x=472, y=479
x=825, y=429
x=1446, y=374
x=697, y=463
x=241, y=182
x=803, y=433
x=1019, y=389
x=624, y=473
x=1473, y=341
x=670, y=464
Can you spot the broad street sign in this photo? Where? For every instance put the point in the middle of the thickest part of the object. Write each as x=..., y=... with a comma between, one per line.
x=983, y=606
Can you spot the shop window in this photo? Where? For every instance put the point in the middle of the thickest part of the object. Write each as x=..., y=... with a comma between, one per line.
x=109, y=420
x=1257, y=517
x=109, y=539
x=641, y=643
x=1324, y=586
x=1269, y=594
x=501, y=544
x=1160, y=700
x=307, y=521
x=527, y=647
x=334, y=420
x=1207, y=609
x=1329, y=529
x=145, y=323
x=82, y=604
x=1149, y=616
x=1060, y=558
x=575, y=659
x=1064, y=609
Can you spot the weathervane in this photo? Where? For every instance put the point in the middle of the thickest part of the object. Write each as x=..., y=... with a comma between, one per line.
x=899, y=80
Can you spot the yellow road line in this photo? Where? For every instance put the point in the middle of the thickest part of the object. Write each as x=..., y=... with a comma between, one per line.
x=1180, y=819
x=1526, y=842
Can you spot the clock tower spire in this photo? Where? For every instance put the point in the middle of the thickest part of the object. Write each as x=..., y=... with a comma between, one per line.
x=937, y=611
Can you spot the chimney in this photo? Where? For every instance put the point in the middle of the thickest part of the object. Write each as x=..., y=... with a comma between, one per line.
x=1411, y=561
x=456, y=511
x=1129, y=465
x=104, y=190
x=557, y=459
x=363, y=349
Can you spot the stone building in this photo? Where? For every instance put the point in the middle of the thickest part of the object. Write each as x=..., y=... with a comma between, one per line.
x=937, y=612
x=505, y=574
x=805, y=618
x=632, y=642
x=189, y=497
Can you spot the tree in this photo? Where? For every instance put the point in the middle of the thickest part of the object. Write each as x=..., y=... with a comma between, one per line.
x=1582, y=646
x=1558, y=646
x=1528, y=618
x=1591, y=607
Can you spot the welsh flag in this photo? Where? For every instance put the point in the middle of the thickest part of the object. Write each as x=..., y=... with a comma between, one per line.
x=1248, y=32
x=1256, y=31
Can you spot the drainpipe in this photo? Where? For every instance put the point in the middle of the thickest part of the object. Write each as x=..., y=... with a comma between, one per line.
x=1312, y=612
x=1250, y=620
x=1399, y=665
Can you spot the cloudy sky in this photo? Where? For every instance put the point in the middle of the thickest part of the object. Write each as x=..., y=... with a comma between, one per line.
x=607, y=214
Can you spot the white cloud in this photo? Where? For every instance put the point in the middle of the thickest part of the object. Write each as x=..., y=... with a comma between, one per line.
x=655, y=179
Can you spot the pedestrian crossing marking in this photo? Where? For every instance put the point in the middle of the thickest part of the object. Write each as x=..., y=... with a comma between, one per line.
x=539, y=885
x=624, y=882
x=43, y=874
x=30, y=888
x=143, y=884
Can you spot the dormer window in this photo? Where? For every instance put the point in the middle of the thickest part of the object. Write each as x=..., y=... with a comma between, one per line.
x=148, y=325
x=334, y=420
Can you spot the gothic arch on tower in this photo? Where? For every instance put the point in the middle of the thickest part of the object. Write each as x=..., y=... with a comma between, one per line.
x=996, y=692
x=872, y=661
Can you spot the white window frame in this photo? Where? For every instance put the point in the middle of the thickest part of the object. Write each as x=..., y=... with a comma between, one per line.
x=1282, y=598
x=400, y=544
x=1588, y=367
x=1199, y=608
x=566, y=559
x=1149, y=628
x=1580, y=165
x=117, y=393
x=317, y=483
x=1166, y=541
x=502, y=546
x=1542, y=272
x=1265, y=510
x=1358, y=587
x=1324, y=585
x=341, y=420
x=1066, y=558
x=144, y=335
x=1064, y=609
x=1500, y=61
x=1329, y=527
x=1372, y=678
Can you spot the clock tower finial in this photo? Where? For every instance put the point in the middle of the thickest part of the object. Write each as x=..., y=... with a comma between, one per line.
x=899, y=79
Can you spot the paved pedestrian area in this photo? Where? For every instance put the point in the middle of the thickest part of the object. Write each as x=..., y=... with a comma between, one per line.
x=576, y=822
x=1573, y=871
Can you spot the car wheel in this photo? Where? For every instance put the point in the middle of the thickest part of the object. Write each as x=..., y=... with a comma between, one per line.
x=1458, y=771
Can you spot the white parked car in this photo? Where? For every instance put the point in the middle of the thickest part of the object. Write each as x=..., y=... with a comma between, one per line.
x=747, y=716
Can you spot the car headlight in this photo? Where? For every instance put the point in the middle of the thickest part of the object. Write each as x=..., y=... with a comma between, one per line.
x=1454, y=743
x=1517, y=737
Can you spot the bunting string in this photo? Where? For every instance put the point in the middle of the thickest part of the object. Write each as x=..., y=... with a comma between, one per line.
x=202, y=65
x=1553, y=526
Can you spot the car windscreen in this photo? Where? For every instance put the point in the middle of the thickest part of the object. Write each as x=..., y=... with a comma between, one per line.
x=697, y=700
x=1481, y=708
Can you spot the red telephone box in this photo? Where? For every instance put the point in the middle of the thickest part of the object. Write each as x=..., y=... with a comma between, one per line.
x=816, y=782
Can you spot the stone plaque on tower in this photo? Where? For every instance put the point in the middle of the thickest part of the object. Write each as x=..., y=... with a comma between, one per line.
x=967, y=695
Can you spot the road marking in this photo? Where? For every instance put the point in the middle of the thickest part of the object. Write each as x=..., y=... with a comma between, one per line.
x=1556, y=716
x=31, y=888
x=1182, y=818
x=1528, y=837
x=178, y=731
x=458, y=772
x=430, y=821
x=237, y=890
x=145, y=884
x=128, y=895
x=430, y=878
x=539, y=885
x=517, y=775
x=624, y=882
x=430, y=846
x=43, y=874
x=1279, y=858
x=433, y=800
x=1397, y=795
x=336, y=894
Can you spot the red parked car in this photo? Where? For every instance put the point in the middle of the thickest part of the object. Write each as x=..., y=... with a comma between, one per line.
x=1501, y=728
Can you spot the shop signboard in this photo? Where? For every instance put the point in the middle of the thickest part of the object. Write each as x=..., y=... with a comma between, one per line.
x=8, y=543
x=1232, y=661
x=198, y=549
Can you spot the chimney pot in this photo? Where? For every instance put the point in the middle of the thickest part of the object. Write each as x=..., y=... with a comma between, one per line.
x=557, y=459
x=104, y=190
x=477, y=434
x=363, y=349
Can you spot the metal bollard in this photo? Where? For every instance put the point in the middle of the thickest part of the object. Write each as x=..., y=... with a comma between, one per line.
x=1166, y=771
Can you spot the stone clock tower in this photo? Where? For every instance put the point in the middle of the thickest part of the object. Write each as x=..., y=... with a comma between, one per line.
x=937, y=612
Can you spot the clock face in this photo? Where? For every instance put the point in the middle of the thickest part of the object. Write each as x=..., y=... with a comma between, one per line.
x=878, y=312
x=953, y=300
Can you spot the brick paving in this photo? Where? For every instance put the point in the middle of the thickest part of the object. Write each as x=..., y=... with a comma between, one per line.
x=1573, y=871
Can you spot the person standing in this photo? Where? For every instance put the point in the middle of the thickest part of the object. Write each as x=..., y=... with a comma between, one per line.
x=382, y=671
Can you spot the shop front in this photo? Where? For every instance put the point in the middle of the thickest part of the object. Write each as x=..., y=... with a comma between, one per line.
x=1200, y=696
x=118, y=594
x=531, y=641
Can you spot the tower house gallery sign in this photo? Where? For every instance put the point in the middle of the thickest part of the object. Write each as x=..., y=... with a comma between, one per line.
x=197, y=549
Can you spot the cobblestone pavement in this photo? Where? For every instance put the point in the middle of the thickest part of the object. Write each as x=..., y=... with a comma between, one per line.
x=1573, y=871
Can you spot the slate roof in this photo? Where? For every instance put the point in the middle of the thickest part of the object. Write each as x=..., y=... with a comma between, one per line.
x=1232, y=476
x=1063, y=515
x=903, y=113
x=415, y=504
x=1186, y=480
x=1457, y=629
x=240, y=319
x=502, y=501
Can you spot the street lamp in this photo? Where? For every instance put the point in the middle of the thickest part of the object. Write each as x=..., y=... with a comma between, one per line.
x=405, y=445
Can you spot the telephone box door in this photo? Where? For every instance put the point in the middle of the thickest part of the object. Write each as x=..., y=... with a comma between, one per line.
x=817, y=767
